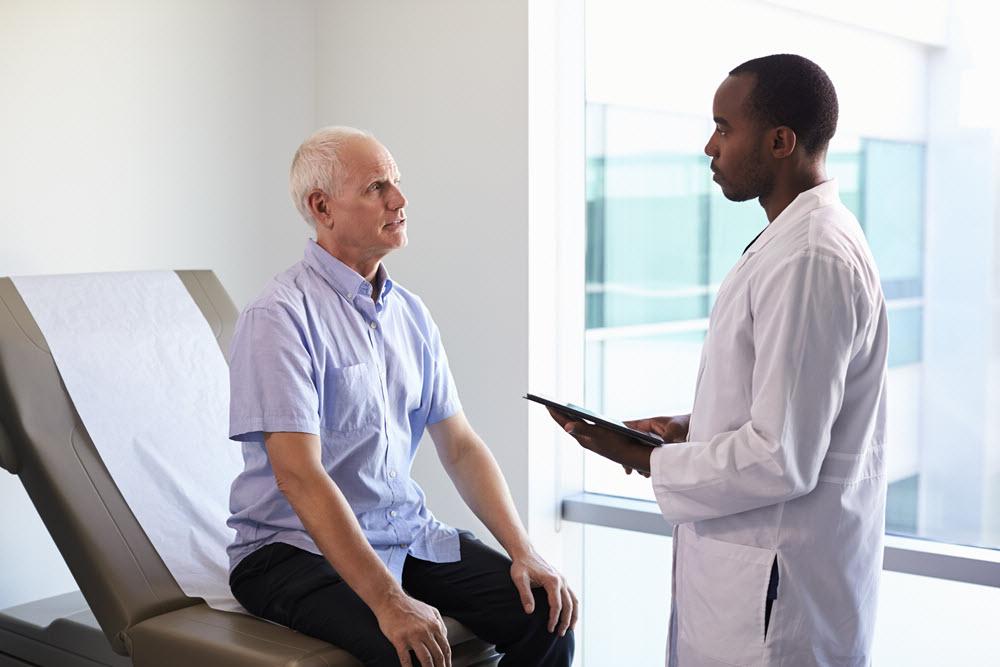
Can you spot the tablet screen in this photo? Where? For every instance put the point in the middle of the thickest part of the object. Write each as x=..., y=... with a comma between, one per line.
x=591, y=417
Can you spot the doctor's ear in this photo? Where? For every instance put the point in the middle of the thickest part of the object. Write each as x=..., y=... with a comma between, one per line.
x=783, y=141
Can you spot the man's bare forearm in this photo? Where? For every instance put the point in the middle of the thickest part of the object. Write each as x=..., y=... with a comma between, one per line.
x=479, y=481
x=329, y=520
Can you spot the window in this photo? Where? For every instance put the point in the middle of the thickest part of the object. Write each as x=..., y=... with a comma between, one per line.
x=661, y=238
x=919, y=176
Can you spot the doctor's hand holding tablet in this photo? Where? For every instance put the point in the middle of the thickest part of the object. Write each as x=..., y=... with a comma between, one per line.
x=628, y=443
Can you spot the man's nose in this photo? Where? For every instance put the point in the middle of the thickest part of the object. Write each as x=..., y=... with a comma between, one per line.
x=710, y=149
x=397, y=199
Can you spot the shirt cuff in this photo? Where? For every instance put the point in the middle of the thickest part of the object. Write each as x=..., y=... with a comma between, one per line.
x=252, y=429
x=667, y=463
x=449, y=409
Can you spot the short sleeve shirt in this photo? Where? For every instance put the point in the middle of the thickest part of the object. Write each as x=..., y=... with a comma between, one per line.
x=314, y=353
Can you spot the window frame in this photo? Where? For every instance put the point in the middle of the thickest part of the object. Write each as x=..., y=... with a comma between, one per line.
x=908, y=555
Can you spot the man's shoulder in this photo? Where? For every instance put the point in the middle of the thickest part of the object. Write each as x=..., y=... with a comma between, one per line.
x=283, y=299
x=831, y=235
x=285, y=291
x=830, y=231
x=414, y=312
x=835, y=232
x=410, y=300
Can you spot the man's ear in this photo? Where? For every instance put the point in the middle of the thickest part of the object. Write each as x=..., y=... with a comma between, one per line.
x=783, y=141
x=319, y=207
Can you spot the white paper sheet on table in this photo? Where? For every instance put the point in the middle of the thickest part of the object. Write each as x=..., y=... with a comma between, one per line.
x=149, y=381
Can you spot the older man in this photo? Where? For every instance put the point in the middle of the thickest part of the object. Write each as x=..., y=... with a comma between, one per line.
x=336, y=371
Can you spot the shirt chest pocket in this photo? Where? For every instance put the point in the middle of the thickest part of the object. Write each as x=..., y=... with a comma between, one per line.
x=352, y=398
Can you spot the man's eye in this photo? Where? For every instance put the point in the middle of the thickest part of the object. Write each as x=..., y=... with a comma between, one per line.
x=374, y=186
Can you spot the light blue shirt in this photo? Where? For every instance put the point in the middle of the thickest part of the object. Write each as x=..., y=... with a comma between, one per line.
x=315, y=354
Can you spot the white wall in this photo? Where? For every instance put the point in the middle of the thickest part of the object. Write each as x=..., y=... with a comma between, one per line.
x=444, y=86
x=145, y=135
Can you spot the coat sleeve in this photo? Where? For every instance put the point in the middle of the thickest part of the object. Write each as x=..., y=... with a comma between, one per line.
x=805, y=318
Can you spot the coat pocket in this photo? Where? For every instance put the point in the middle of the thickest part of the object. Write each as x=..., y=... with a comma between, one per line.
x=721, y=597
x=352, y=398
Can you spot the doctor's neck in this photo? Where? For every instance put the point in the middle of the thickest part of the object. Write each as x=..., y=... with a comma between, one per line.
x=789, y=182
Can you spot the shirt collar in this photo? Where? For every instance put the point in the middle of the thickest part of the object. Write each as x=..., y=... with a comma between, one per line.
x=344, y=280
x=824, y=194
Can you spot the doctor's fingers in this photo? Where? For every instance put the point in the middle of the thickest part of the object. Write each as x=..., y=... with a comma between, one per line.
x=666, y=427
x=640, y=424
x=559, y=417
x=582, y=431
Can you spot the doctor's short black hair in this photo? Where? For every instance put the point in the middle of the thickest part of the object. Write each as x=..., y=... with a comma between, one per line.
x=795, y=92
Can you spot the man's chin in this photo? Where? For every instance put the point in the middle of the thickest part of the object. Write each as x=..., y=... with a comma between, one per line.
x=737, y=196
x=398, y=239
x=395, y=235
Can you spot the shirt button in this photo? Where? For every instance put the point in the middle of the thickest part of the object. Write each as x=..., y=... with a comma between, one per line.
x=374, y=325
x=392, y=473
x=402, y=546
x=393, y=513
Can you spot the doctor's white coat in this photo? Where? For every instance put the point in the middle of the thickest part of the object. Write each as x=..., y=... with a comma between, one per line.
x=785, y=458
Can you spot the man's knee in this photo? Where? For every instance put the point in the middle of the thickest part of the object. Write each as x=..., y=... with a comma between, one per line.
x=564, y=647
x=377, y=654
x=549, y=646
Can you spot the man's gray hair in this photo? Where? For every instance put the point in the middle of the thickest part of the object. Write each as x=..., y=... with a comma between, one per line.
x=317, y=166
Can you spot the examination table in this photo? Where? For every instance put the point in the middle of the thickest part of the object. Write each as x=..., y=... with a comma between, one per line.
x=129, y=610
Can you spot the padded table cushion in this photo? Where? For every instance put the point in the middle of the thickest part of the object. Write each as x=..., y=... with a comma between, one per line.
x=62, y=631
x=222, y=639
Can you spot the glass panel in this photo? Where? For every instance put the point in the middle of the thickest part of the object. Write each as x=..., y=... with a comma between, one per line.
x=661, y=238
x=633, y=377
x=893, y=214
x=645, y=218
x=732, y=226
x=624, y=570
x=845, y=166
x=920, y=622
x=906, y=329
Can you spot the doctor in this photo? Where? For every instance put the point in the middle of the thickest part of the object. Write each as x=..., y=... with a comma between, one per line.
x=776, y=480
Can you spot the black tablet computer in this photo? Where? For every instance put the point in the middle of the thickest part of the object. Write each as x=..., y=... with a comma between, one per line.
x=586, y=415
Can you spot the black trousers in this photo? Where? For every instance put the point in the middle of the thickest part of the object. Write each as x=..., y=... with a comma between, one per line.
x=301, y=590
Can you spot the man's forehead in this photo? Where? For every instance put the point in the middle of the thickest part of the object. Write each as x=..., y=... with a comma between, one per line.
x=368, y=156
x=734, y=90
x=730, y=102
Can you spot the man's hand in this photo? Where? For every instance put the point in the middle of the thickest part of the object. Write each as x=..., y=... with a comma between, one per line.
x=671, y=429
x=414, y=626
x=622, y=449
x=477, y=477
x=530, y=570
